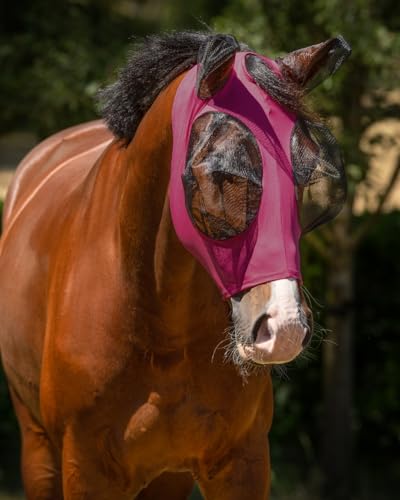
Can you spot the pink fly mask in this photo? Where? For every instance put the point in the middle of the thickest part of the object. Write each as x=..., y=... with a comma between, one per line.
x=244, y=162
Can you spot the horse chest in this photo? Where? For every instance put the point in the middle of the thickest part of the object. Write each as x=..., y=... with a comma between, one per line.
x=190, y=416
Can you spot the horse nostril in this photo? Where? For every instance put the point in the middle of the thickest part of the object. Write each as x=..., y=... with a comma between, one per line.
x=307, y=336
x=257, y=326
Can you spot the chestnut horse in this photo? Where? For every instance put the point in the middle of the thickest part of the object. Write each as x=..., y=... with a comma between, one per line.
x=111, y=328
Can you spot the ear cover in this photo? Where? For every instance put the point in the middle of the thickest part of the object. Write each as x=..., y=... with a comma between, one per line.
x=310, y=66
x=215, y=61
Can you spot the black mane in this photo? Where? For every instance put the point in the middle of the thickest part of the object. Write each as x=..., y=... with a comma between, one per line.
x=153, y=64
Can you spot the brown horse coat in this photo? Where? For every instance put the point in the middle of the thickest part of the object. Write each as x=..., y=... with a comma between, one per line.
x=109, y=327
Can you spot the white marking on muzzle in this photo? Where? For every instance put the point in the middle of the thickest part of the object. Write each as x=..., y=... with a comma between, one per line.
x=279, y=339
x=284, y=303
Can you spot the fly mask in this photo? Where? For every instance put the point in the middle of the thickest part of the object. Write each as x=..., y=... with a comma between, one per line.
x=241, y=162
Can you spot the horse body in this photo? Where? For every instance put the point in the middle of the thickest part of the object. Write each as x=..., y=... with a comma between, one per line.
x=111, y=329
x=116, y=368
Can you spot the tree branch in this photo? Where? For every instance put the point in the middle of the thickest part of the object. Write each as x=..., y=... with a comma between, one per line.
x=377, y=113
x=372, y=219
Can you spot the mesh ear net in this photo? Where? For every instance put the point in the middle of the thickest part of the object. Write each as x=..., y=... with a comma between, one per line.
x=338, y=51
x=316, y=158
x=319, y=172
x=312, y=65
x=215, y=60
x=223, y=176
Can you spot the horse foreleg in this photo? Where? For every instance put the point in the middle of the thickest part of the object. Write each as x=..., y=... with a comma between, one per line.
x=90, y=467
x=40, y=466
x=243, y=476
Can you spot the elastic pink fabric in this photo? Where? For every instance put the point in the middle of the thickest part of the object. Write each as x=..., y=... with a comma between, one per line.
x=269, y=248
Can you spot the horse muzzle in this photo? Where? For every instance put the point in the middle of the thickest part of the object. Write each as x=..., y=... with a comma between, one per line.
x=272, y=323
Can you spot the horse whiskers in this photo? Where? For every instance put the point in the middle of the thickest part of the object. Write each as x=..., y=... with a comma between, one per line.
x=237, y=333
x=218, y=346
x=320, y=334
x=318, y=328
x=281, y=371
x=307, y=355
x=310, y=298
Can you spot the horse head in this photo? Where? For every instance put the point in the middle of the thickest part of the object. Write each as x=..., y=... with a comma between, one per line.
x=252, y=170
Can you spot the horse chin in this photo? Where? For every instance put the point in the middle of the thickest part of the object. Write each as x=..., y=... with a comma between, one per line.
x=249, y=355
x=264, y=354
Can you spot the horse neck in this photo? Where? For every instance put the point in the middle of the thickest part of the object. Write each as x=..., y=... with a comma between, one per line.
x=166, y=283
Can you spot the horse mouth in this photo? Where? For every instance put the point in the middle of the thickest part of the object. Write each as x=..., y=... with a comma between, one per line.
x=250, y=354
x=268, y=347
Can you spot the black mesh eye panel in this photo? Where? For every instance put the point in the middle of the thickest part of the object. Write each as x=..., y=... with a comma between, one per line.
x=319, y=172
x=223, y=176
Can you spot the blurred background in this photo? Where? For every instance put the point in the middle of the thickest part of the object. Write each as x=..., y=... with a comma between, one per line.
x=336, y=431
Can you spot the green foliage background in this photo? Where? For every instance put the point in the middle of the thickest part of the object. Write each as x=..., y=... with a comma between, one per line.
x=54, y=57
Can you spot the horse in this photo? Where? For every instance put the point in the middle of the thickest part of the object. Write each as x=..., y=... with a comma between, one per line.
x=150, y=272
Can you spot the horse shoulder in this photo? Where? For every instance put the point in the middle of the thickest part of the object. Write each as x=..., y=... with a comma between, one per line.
x=52, y=155
x=37, y=213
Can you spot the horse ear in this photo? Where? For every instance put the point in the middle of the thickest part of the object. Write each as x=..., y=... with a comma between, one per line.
x=310, y=66
x=214, y=64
